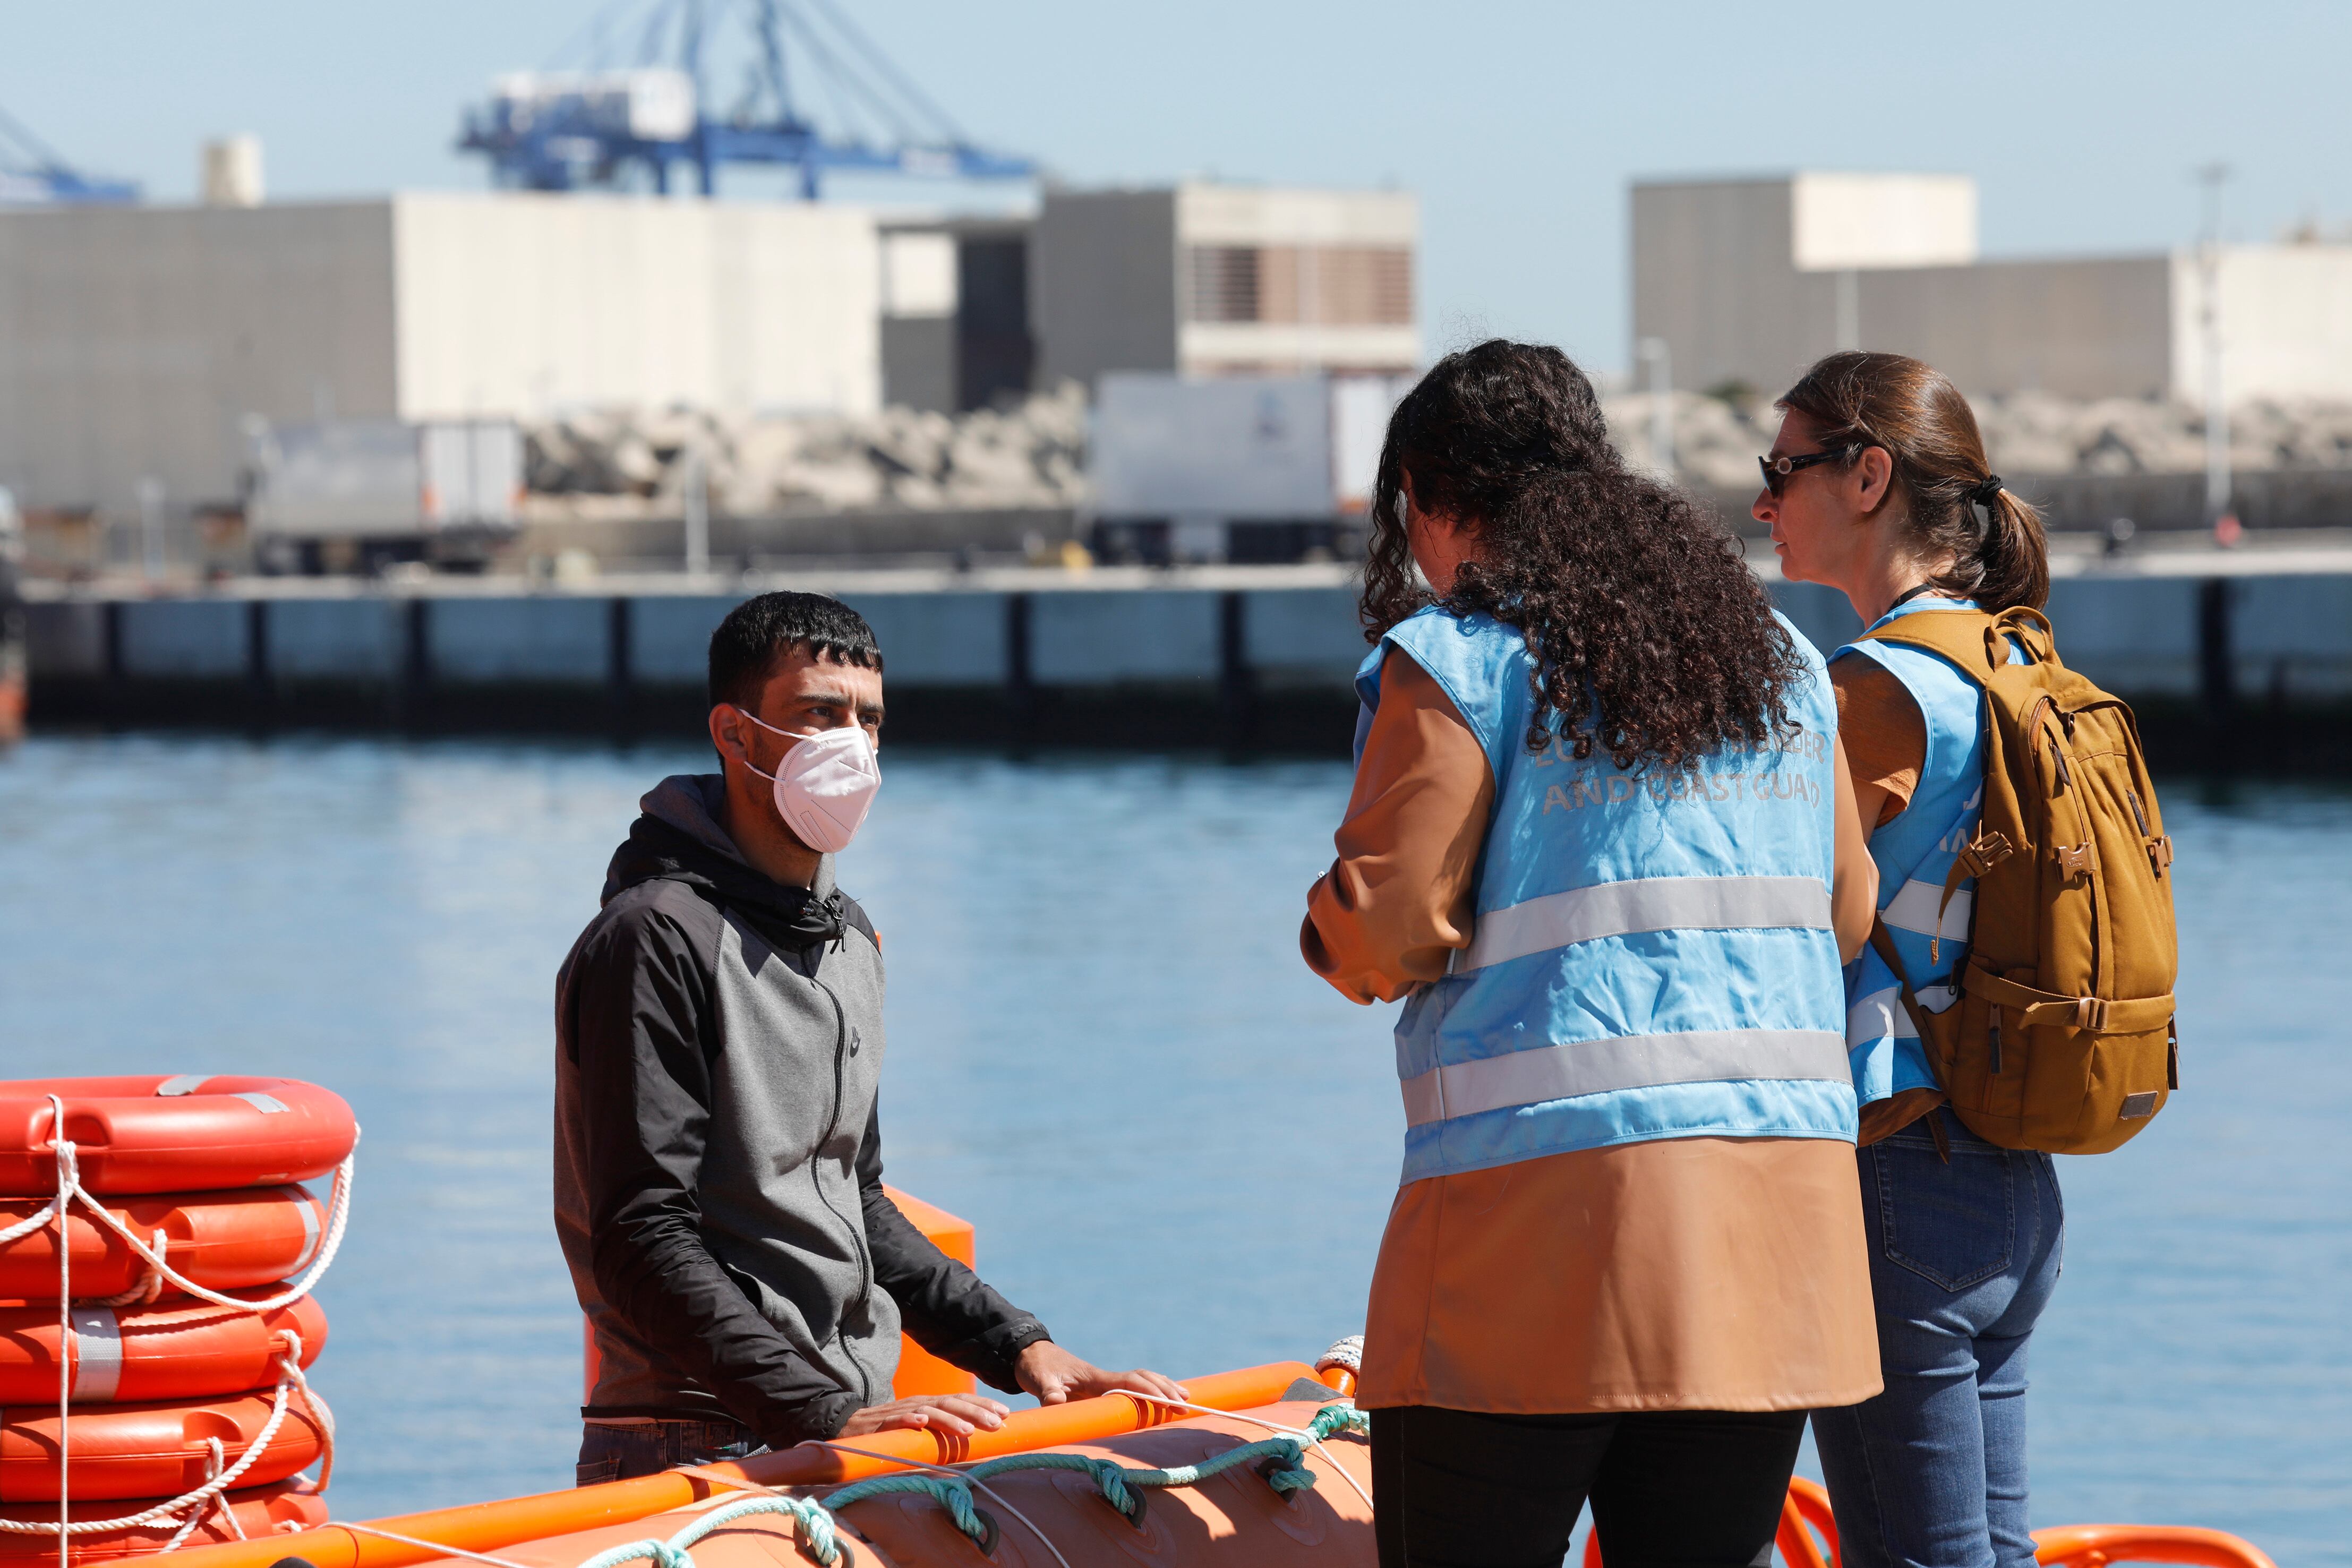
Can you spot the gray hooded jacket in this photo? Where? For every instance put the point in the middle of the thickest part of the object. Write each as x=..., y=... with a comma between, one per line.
x=718, y=1155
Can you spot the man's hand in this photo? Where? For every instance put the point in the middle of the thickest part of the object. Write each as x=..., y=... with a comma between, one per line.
x=1057, y=1377
x=957, y=1414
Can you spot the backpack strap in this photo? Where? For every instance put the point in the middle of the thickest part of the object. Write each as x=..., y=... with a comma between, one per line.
x=1882, y=941
x=2132, y=1015
x=1974, y=641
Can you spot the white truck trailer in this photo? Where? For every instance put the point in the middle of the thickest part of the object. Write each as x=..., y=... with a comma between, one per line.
x=1236, y=469
x=358, y=493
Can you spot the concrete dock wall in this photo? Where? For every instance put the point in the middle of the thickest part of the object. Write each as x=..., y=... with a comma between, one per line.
x=1257, y=651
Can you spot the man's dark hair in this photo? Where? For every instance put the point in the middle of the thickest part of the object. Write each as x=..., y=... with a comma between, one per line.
x=760, y=633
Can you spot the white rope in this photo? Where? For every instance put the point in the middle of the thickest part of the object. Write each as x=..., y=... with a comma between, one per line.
x=996, y=1496
x=160, y=1273
x=29, y=1224
x=338, y=1214
x=172, y=1507
x=150, y=1285
x=216, y=1460
x=198, y=1502
x=1312, y=1439
x=68, y=1183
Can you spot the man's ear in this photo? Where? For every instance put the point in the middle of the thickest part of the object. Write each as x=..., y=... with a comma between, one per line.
x=723, y=726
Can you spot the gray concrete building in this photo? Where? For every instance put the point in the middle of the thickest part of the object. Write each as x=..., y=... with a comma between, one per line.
x=141, y=342
x=1749, y=280
x=955, y=313
x=1208, y=279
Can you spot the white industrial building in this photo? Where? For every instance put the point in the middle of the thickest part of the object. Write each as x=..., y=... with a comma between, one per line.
x=141, y=342
x=1749, y=281
x=1207, y=279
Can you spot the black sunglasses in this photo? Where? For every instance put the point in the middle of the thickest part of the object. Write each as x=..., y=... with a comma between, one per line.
x=1777, y=469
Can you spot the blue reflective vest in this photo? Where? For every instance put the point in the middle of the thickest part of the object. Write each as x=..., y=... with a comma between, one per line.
x=1652, y=955
x=1915, y=852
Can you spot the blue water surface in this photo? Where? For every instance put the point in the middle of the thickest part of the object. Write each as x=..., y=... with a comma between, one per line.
x=1178, y=1144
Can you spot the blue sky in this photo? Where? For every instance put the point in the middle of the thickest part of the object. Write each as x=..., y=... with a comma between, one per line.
x=1520, y=124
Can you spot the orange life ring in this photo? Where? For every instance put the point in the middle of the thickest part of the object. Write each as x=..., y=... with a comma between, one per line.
x=182, y=1133
x=153, y=1449
x=178, y=1349
x=261, y=1511
x=255, y=1236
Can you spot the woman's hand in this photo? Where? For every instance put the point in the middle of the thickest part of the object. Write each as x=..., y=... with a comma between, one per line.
x=1057, y=1377
x=957, y=1414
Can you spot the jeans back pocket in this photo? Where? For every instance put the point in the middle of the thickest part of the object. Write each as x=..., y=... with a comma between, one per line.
x=1953, y=1224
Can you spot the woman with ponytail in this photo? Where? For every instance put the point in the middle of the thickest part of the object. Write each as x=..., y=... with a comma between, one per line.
x=1604, y=845
x=1878, y=484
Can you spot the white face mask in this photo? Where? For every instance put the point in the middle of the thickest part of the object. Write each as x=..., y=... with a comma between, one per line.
x=826, y=784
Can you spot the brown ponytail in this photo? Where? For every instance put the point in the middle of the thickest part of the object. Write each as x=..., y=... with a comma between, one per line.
x=1955, y=504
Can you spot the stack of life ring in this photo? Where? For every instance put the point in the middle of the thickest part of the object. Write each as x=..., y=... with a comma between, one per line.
x=156, y=1253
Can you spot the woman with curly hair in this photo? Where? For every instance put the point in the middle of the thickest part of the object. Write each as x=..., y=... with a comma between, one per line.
x=1602, y=844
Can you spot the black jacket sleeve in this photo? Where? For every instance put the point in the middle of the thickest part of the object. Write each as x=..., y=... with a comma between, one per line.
x=644, y=1031
x=945, y=1306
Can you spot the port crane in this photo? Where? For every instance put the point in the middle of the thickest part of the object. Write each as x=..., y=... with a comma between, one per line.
x=31, y=174
x=606, y=126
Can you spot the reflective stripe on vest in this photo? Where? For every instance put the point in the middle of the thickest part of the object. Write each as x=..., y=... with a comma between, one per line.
x=1629, y=1061
x=1651, y=951
x=1881, y=1015
x=1649, y=903
x=1913, y=908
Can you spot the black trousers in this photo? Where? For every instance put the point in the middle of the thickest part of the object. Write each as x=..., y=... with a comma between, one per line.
x=1670, y=1489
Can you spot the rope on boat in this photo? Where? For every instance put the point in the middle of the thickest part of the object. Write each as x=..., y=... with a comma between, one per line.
x=1284, y=1458
x=816, y=1530
x=198, y=1502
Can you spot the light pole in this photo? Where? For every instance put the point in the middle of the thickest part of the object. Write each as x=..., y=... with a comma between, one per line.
x=1654, y=354
x=697, y=515
x=151, y=528
x=1849, y=310
x=2213, y=176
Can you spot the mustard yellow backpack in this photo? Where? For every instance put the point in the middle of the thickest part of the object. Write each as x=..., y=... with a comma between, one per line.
x=2062, y=1039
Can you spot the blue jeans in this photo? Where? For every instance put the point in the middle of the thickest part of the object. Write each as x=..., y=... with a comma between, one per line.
x=620, y=1450
x=1963, y=1258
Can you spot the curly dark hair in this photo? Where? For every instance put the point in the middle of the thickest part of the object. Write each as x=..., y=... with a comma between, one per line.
x=1652, y=639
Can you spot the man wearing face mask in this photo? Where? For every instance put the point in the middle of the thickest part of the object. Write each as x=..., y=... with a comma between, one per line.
x=719, y=1161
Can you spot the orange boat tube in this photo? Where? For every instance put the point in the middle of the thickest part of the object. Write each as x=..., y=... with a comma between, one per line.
x=2093, y=1545
x=488, y=1527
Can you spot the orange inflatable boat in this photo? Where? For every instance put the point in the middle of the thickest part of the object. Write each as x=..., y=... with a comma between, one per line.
x=1267, y=1467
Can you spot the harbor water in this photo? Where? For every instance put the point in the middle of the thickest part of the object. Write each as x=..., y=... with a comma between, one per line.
x=1178, y=1144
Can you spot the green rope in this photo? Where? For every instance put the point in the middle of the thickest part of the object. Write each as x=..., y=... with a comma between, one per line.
x=1288, y=1474
x=816, y=1533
